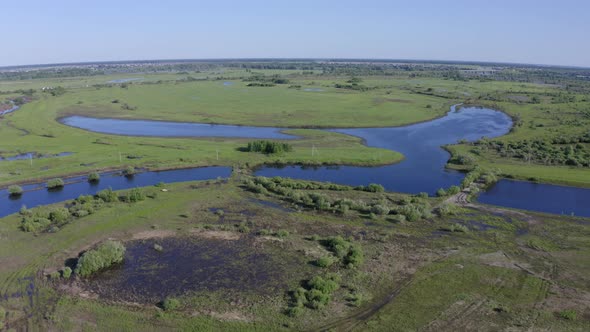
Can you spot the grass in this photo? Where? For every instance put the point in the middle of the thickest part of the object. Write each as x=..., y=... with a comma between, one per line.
x=430, y=296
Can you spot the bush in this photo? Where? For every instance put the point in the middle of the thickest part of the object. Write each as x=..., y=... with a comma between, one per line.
x=55, y=183
x=380, y=209
x=441, y=192
x=268, y=147
x=568, y=314
x=105, y=255
x=282, y=233
x=59, y=216
x=129, y=171
x=325, y=261
x=453, y=190
x=35, y=224
x=67, y=272
x=170, y=304
x=15, y=190
x=93, y=177
x=158, y=247
x=108, y=195
x=375, y=188
x=135, y=195
x=456, y=228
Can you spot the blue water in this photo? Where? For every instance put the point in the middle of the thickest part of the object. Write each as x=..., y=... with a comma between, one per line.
x=538, y=197
x=10, y=110
x=171, y=129
x=423, y=169
x=125, y=80
x=32, y=155
x=36, y=194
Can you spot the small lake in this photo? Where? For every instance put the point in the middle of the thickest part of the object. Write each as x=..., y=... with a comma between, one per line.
x=195, y=265
x=37, y=194
x=34, y=155
x=125, y=80
x=538, y=197
x=10, y=110
x=171, y=129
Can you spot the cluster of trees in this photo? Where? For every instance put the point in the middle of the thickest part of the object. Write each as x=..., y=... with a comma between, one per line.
x=105, y=255
x=570, y=151
x=44, y=219
x=268, y=147
x=353, y=86
x=408, y=209
x=316, y=294
x=349, y=254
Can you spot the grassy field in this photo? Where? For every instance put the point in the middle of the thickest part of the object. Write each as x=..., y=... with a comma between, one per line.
x=505, y=271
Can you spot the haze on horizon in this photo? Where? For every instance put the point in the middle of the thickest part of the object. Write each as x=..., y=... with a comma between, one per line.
x=527, y=31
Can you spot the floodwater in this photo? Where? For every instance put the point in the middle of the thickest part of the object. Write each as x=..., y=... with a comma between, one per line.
x=195, y=265
x=37, y=194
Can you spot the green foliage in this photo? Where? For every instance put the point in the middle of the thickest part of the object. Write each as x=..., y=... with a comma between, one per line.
x=129, y=171
x=15, y=190
x=268, y=147
x=108, y=195
x=93, y=177
x=59, y=216
x=325, y=261
x=135, y=195
x=170, y=304
x=105, y=255
x=453, y=190
x=441, y=192
x=282, y=234
x=67, y=272
x=455, y=228
x=375, y=188
x=55, y=183
x=350, y=255
x=568, y=314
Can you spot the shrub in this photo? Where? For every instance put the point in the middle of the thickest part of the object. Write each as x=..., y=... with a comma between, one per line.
x=158, y=247
x=81, y=213
x=423, y=195
x=282, y=233
x=355, y=257
x=55, y=275
x=129, y=171
x=456, y=228
x=170, y=304
x=59, y=216
x=108, y=195
x=55, y=183
x=375, y=188
x=67, y=272
x=268, y=147
x=441, y=192
x=35, y=224
x=105, y=255
x=93, y=177
x=380, y=209
x=135, y=195
x=453, y=190
x=568, y=314
x=15, y=190
x=325, y=261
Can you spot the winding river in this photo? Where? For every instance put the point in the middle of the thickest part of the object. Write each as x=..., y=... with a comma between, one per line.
x=422, y=170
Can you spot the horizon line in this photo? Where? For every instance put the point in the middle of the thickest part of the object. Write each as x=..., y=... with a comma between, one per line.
x=253, y=59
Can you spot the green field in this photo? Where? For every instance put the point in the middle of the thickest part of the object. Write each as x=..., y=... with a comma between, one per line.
x=386, y=261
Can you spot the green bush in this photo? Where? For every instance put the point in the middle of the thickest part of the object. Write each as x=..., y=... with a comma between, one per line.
x=35, y=224
x=453, y=190
x=108, y=195
x=129, y=171
x=67, y=272
x=55, y=183
x=325, y=261
x=282, y=234
x=93, y=177
x=135, y=195
x=15, y=190
x=170, y=304
x=441, y=192
x=105, y=255
x=375, y=188
x=59, y=216
x=268, y=147
x=568, y=314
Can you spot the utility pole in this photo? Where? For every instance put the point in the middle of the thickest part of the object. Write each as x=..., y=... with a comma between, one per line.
x=217, y=152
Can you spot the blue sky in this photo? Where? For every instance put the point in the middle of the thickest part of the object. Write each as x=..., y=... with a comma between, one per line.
x=525, y=31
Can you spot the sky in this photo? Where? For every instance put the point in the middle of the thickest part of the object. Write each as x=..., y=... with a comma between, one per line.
x=518, y=31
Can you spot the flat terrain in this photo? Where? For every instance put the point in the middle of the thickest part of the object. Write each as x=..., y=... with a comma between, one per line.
x=504, y=270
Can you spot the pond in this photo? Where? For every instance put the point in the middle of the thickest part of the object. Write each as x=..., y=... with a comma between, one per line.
x=195, y=264
x=170, y=129
x=36, y=194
